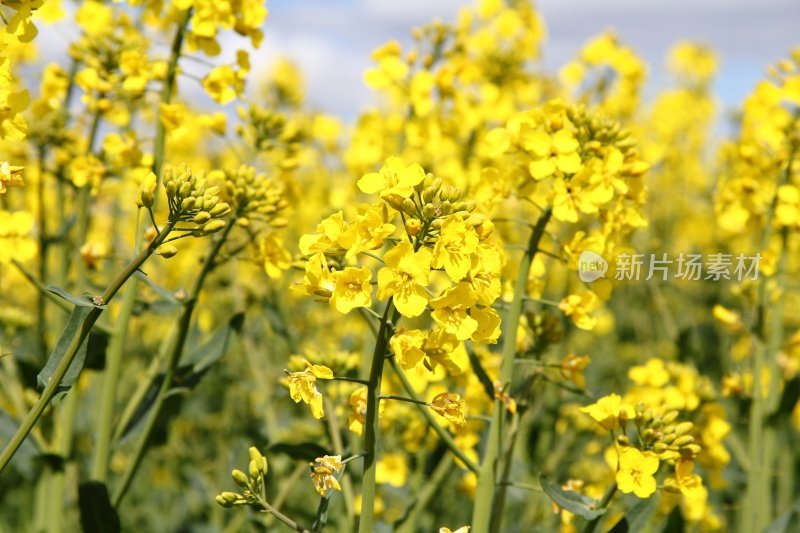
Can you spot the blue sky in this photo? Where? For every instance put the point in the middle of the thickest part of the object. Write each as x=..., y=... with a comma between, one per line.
x=332, y=39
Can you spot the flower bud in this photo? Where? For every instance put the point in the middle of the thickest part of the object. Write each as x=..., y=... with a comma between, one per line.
x=683, y=441
x=202, y=217
x=213, y=226
x=220, y=210
x=413, y=226
x=166, y=251
x=184, y=190
x=256, y=456
x=240, y=478
x=409, y=207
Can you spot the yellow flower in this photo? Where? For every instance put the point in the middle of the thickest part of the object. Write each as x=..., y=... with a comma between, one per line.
x=368, y=232
x=302, y=387
x=323, y=473
x=552, y=152
x=457, y=242
x=609, y=410
x=450, y=311
x=578, y=307
x=15, y=240
x=404, y=277
x=684, y=480
x=652, y=374
x=358, y=410
x=222, y=84
x=276, y=258
x=462, y=529
x=10, y=176
x=318, y=280
x=407, y=347
x=392, y=470
x=450, y=406
x=12, y=103
x=352, y=289
x=394, y=179
x=636, y=473
x=488, y=320
x=572, y=368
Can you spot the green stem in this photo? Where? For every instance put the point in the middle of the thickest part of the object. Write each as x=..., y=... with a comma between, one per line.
x=487, y=477
x=756, y=514
x=167, y=91
x=338, y=449
x=111, y=375
x=372, y=429
x=72, y=349
x=445, y=437
x=41, y=320
x=609, y=494
x=184, y=322
x=280, y=516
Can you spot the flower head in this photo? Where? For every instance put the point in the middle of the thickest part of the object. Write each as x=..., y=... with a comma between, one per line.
x=636, y=472
x=323, y=472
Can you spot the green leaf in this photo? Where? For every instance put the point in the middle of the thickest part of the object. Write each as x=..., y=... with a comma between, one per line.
x=166, y=294
x=85, y=300
x=641, y=512
x=191, y=371
x=74, y=324
x=97, y=513
x=203, y=358
x=571, y=501
x=787, y=522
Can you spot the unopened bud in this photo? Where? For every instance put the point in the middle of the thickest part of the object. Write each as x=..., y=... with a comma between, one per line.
x=213, y=226
x=240, y=478
x=202, y=217
x=413, y=226
x=166, y=251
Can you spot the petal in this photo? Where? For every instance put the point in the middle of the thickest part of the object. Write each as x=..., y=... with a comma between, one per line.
x=541, y=168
